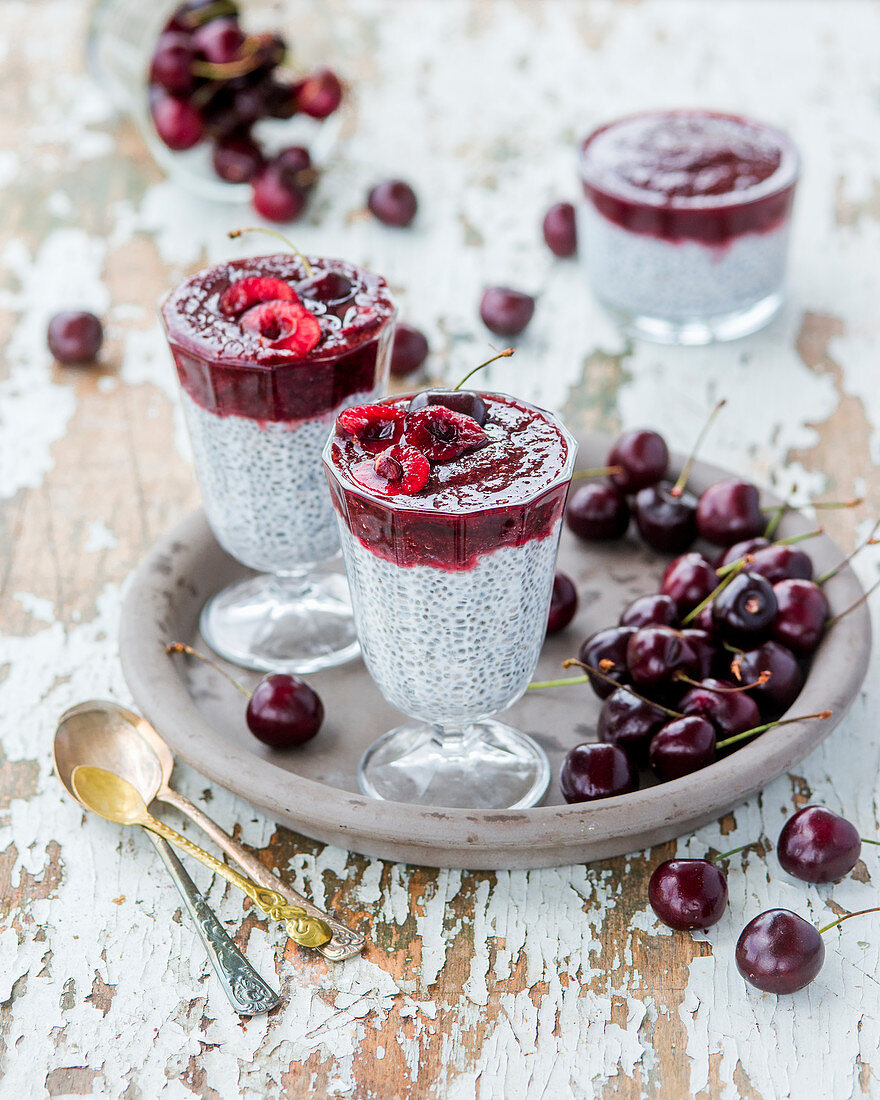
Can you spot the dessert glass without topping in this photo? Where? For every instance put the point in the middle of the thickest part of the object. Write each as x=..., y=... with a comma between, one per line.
x=685, y=223
x=451, y=590
x=258, y=417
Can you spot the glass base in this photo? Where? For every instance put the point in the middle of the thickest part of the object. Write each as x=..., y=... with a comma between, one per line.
x=698, y=330
x=282, y=624
x=489, y=767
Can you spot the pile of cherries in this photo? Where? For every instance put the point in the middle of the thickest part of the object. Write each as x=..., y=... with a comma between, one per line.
x=713, y=658
x=209, y=80
x=777, y=951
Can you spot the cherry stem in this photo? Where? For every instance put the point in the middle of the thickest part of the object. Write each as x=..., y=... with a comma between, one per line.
x=867, y=840
x=572, y=663
x=836, y=618
x=597, y=471
x=822, y=715
x=847, y=916
x=210, y=11
x=233, y=233
x=182, y=647
x=732, y=852
x=703, y=604
x=538, y=685
x=776, y=518
x=790, y=541
x=678, y=487
x=228, y=70
x=501, y=355
x=832, y=505
x=869, y=541
x=683, y=678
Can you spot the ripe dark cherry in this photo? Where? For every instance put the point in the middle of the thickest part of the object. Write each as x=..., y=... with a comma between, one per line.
x=171, y=64
x=801, y=616
x=744, y=610
x=596, y=770
x=688, y=894
x=506, y=312
x=409, y=351
x=655, y=653
x=688, y=579
x=729, y=512
x=284, y=711
x=563, y=603
x=393, y=202
x=682, y=746
x=653, y=610
x=294, y=165
x=332, y=287
x=780, y=563
x=237, y=158
x=741, y=549
x=644, y=456
x=630, y=723
x=560, y=229
x=785, y=682
x=274, y=198
x=610, y=646
x=704, y=652
x=597, y=511
x=817, y=845
x=729, y=712
x=219, y=40
x=178, y=123
x=779, y=952
x=75, y=336
x=666, y=522
x=320, y=94
x=461, y=401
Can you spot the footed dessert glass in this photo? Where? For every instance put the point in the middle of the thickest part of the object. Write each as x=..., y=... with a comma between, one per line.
x=685, y=223
x=268, y=355
x=451, y=590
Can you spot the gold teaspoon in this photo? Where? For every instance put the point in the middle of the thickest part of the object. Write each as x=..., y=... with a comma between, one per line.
x=115, y=799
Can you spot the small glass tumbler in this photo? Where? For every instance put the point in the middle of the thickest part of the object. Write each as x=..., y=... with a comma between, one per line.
x=258, y=429
x=121, y=37
x=684, y=224
x=451, y=611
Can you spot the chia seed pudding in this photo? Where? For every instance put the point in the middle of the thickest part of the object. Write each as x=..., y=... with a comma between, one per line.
x=451, y=583
x=264, y=370
x=686, y=221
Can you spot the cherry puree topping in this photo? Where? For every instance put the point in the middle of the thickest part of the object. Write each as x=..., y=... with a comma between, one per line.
x=690, y=175
x=509, y=490
x=246, y=346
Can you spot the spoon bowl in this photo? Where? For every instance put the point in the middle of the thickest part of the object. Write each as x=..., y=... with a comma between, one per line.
x=108, y=736
x=109, y=796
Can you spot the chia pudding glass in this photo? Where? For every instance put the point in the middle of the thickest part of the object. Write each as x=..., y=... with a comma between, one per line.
x=685, y=223
x=269, y=350
x=451, y=577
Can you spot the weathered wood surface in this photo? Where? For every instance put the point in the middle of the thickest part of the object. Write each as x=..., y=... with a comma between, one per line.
x=552, y=983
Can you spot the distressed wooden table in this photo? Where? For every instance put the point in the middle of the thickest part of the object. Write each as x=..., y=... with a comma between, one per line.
x=553, y=983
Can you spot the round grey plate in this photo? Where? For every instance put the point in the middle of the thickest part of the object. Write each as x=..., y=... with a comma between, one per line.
x=314, y=789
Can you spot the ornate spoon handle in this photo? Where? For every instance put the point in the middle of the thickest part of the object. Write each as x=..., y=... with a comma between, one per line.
x=306, y=930
x=246, y=990
x=345, y=942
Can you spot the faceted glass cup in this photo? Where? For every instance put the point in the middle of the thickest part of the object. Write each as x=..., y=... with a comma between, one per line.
x=452, y=645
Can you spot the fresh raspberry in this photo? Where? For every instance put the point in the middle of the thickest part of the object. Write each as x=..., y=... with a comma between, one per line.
x=287, y=326
x=398, y=469
x=375, y=427
x=442, y=434
x=244, y=293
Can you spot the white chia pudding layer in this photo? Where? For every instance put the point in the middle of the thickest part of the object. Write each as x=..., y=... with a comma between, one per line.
x=263, y=485
x=683, y=280
x=452, y=646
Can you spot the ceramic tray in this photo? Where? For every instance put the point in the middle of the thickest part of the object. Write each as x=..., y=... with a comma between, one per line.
x=314, y=789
